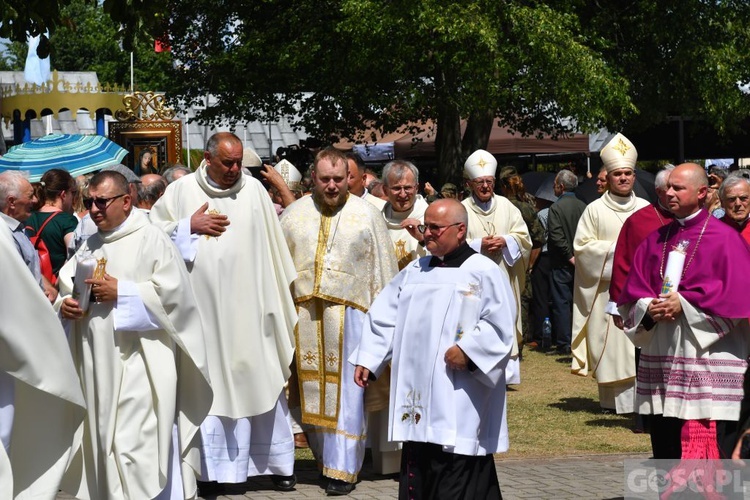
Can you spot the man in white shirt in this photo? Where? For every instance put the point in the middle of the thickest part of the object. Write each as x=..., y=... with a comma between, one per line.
x=17, y=199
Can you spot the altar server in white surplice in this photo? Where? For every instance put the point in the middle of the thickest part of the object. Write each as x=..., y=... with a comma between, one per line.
x=403, y=213
x=497, y=230
x=344, y=257
x=598, y=346
x=447, y=323
x=227, y=230
x=41, y=404
x=139, y=351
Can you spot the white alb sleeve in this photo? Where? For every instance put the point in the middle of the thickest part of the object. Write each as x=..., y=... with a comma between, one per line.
x=185, y=242
x=476, y=245
x=511, y=252
x=130, y=313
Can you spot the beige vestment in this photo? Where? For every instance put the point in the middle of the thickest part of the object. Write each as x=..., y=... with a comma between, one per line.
x=598, y=345
x=138, y=383
x=407, y=247
x=343, y=257
x=241, y=281
x=503, y=219
x=48, y=402
x=340, y=259
x=379, y=203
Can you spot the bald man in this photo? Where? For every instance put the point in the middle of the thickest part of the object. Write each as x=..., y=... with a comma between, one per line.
x=150, y=189
x=228, y=233
x=447, y=399
x=694, y=337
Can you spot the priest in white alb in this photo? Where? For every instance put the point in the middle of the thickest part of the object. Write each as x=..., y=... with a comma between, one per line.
x=343, y=256
x=497, y=230
x=228, y=233
x=404, y=210
x=138, y=346
x=598, y=346
x=447, y=324
x=41, y=404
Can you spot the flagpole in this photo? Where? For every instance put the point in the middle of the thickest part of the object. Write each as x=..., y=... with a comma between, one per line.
x=131, y=72
x=187, y=135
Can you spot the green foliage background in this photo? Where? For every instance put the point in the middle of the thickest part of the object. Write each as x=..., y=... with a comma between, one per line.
x=535, y=66
x=88, y=40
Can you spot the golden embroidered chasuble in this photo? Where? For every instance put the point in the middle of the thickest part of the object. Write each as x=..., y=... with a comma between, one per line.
x=343, y=259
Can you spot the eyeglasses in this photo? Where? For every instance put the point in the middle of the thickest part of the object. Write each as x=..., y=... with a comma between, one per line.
x=482, y=182
x=101, y=203
x=405, y=189
x=434, y=228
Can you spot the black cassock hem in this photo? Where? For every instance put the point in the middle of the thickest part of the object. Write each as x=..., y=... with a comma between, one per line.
x=428, y=472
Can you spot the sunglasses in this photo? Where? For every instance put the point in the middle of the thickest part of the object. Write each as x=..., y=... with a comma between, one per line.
x=434, y=228
x=101, y=203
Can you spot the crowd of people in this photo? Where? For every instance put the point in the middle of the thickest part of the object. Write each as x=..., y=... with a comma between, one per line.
x=198, y=326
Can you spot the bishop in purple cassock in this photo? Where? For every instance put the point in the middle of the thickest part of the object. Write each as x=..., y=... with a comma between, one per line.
x=695, y=341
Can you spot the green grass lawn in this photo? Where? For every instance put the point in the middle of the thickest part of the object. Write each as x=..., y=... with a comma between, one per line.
x=554, y=413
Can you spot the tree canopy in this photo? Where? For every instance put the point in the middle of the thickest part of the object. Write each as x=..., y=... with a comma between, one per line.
x=20, y=18
x=529, y=65
x=386, y=64
x=685, y=58
x=88, y=41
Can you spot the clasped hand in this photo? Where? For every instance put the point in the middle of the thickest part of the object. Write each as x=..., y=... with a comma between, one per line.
x=666, y=307
x=493, y=244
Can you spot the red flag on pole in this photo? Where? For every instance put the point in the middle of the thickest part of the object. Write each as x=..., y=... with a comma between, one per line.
x=162, y=44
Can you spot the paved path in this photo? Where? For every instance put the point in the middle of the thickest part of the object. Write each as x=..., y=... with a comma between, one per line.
x=590, y=477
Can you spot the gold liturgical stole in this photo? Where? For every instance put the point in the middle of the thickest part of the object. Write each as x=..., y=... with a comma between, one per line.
x=348, y=267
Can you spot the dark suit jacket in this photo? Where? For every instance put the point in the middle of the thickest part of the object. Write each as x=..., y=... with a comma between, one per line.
x=561, y=228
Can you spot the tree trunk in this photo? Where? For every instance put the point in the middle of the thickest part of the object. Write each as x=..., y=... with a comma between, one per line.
x=450, y=160
x=477, y=134
x=451, y=149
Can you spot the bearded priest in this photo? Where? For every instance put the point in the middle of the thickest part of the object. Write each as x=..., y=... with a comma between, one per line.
x=343, y=257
